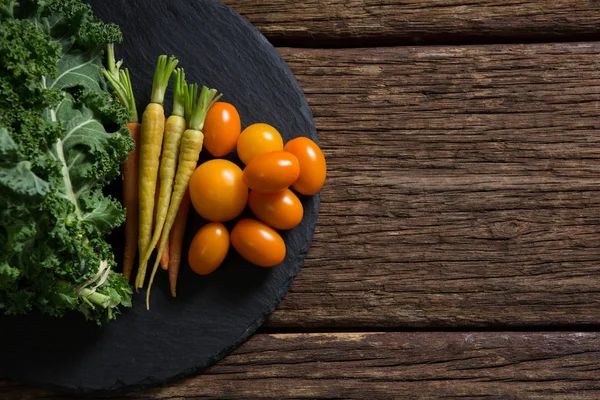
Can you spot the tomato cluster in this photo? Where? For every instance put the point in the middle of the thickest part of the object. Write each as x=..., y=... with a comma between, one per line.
x=220, y=190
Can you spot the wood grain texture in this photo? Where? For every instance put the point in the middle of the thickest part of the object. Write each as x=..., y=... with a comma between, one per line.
x=318, y=23
x=463, y=188
x=390, y=365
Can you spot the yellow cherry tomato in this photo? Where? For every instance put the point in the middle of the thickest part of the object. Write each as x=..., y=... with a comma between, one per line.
x=218, y=191
x=280, y=210
x=313, y=168
x=258, y=139
x=258, y=243
x=222, y=128
x=272, y=172
x=208, y=248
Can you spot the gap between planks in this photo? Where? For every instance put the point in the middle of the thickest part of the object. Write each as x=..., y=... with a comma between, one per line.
x=360, y=23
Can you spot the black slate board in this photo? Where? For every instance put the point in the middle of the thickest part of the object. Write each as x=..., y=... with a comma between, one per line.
x=212, y=315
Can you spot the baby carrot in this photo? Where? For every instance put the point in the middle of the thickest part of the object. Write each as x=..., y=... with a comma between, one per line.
x=174, y=129
x=153, y=125
x=176, y=241
x=178, y=229
x=164, y=258
x=121, y=84
x=130, y=200
x=191, y=145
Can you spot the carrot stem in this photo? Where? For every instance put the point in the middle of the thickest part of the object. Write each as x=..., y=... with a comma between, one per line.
x=179, y=93
x=131, y=107
x=162, y=74
x=207, y=98
x=121, y=82
x=111, y=63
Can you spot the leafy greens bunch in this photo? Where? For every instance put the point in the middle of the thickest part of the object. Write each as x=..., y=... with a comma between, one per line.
x=62, y=140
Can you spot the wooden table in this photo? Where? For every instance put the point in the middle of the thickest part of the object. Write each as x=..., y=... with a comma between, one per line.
x=457, y=252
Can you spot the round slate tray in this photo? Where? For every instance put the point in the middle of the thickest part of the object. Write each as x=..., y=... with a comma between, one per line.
x=212, y=315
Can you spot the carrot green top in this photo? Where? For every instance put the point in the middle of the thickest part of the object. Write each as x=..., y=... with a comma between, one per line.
x=179, y=93
x=162, y=74
x=197, y=108
x=191, y=98
x=121, y=82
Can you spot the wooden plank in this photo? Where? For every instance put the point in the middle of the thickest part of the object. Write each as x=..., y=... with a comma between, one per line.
x=391, y=365
x=463, y=188
x=366, y=22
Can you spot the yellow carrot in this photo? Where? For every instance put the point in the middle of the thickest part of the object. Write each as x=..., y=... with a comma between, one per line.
x=191, y=145
x=164, y=259
x=174, y=129
x=153, y=124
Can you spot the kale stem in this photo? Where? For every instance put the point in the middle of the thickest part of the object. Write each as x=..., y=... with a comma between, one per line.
x=96, y=298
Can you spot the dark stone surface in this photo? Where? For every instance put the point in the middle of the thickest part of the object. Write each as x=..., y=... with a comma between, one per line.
x=212, y=315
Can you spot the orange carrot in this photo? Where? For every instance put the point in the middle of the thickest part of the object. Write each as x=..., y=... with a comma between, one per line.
x=164, y=259
x=176, y=242
x=130, y=200
x=121, y=84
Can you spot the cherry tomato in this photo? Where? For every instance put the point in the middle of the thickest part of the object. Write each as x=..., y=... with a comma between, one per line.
x=218, y=191
x=280, y=210
x=208, y=248
x=258, y=243
x=313, y=168
x=222, y=128
x=257, y=139
x=272, y=172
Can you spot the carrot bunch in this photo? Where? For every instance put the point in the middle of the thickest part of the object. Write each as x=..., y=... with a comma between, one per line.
x=158, y=170
x=189, y=152
x=153, y=126
x=174, y=128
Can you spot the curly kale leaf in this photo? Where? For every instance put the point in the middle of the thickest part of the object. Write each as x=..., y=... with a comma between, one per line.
x=57, y=152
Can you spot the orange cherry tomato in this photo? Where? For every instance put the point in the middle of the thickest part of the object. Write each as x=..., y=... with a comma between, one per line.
x=222, y=128
x=208, y=248
x=272, y=172
x=258, y=139
x=313, y=168
x=218, y=191
x=258, y=243
x=280, y=210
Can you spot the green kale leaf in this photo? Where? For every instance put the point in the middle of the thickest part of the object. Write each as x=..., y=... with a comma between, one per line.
x=62, y=140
